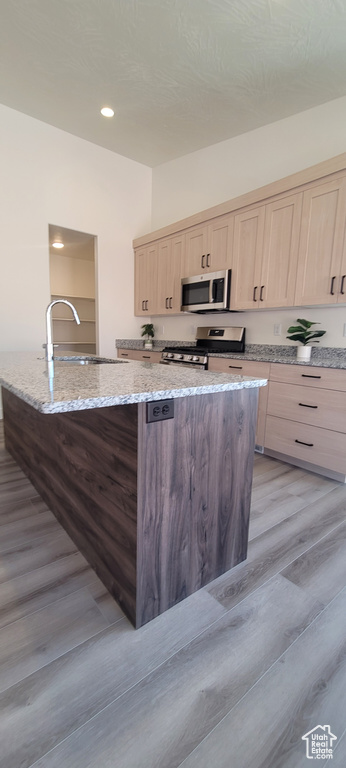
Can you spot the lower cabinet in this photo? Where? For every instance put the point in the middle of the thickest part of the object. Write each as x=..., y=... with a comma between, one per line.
x=306, y=418
x=147, y=356
x=247, y=368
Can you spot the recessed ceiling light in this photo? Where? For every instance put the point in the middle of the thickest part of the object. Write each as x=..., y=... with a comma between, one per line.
x=107, y=112
x=57, y=244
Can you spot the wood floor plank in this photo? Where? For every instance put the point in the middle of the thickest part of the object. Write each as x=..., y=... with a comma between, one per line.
x=305, y=687
x=286, y=501
x=275, y=549
x=322, y=570
x=16, y=489
x=193, y=691
x=267, y=484
x=23, y=531
x=34, y=554
x=78, y=685
x=16, y=510
x=42, y=586
x=32, y=642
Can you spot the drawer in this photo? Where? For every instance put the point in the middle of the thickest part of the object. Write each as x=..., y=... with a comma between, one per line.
x=318, y=446
x=309, y=376
x=239, y=367
x=147, y=356
x=309, y=405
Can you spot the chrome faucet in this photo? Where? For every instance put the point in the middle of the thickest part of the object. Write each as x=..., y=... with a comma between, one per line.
x=49, y=344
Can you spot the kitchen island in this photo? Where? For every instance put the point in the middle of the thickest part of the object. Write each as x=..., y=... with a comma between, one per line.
x=148, y=469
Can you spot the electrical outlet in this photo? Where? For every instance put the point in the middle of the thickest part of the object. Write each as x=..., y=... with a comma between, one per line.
x=344, y=329
x=159, y=410
x=277, y=329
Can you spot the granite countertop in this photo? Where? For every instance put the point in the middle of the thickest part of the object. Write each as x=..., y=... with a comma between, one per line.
x=323, y=357
x=65, y=386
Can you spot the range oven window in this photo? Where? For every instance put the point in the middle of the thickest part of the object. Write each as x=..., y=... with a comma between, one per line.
x=195, y=293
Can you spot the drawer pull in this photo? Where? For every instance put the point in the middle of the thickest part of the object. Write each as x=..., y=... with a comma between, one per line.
x=124, y=354
x=301, y=442
x=305, y=405
x=239, y=367
x=310, y=376
x=146, y=357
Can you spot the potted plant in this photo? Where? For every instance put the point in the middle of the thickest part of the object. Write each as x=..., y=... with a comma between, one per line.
x=303, y=334
x=148, y=331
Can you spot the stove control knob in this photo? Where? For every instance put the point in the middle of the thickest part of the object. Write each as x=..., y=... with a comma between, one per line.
x=170, y=355
x=195, y=358
x=180, y=357
x=190, y=357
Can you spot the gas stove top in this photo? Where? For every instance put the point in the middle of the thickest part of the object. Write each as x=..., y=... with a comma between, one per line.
x=216, y=339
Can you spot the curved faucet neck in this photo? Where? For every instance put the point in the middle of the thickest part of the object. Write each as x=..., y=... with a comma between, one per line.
x=49, y=333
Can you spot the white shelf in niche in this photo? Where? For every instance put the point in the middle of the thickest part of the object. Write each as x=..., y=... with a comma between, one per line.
x=71, y=320
x=69, y=296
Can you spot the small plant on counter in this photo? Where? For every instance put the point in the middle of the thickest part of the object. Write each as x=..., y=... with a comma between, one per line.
x=304, y=335
x=148, y=331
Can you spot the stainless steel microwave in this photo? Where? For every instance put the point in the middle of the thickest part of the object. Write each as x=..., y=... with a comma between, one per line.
x=206, y=293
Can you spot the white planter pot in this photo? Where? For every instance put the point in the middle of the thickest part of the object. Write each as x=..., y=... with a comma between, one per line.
x=148, y=345
x=303, y=353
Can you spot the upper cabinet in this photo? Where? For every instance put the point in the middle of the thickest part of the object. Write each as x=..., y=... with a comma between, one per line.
x=169, y=265
x=146, y=280
x=321, y=273
x=208, y=248
x=266, y=241
x=285, y=245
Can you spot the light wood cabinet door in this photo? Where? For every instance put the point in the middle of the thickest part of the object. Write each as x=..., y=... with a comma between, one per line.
x=220, y=244
x=146, y=299
x=321, y=244
x=280, y=252
x=208, y=248
x=247, y=255
x=169, y=265
x=196, y=249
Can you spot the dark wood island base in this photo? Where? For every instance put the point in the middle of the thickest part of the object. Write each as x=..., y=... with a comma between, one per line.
x=159, y=509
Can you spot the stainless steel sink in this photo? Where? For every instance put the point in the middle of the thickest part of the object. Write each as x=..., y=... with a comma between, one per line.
x=87, y=361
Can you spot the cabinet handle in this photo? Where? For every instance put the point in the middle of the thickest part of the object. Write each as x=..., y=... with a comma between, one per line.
x=305, y=405
x=301, y=442
x=261, y=292
x=146, y=305
x=202, y=265
x=239, y=367
x=146, y=357
x=208, y=264
x=254, y=293
x=310, y=376
x=170, y=302
x=332, y=285
x=166, y=303
x=124, y=354
x=143, y=307
x=342, y=284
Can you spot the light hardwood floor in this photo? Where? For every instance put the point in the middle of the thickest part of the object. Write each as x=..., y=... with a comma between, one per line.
x=232, y=677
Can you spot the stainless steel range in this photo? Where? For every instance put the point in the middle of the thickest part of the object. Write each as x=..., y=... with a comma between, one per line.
x=216, y=339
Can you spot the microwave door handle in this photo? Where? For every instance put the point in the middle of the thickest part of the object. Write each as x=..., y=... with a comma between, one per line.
x=212, y=292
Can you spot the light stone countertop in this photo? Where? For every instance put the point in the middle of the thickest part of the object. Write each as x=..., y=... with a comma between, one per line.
x=323, y=357
x=76, y=387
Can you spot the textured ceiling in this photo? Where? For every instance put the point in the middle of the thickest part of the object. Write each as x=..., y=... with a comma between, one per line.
x=180, y=74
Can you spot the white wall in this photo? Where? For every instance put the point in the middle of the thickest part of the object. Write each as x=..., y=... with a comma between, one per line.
x=228, y=169
x=51, y=177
